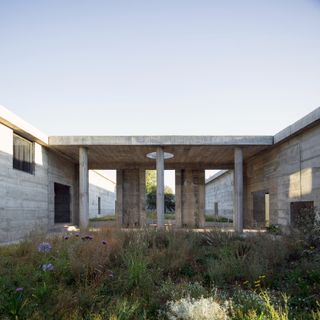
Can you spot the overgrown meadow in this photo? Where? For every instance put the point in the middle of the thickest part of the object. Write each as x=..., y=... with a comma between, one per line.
x=148, y=274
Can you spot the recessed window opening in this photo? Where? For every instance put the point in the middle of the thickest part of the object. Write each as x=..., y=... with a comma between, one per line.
x=99, y=205
x=23, y=154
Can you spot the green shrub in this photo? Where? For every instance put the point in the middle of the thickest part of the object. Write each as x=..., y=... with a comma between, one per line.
x=114, y=274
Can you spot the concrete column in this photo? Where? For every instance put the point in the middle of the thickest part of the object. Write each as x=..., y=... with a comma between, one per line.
x=142, y=194
x=178, y=210
x=238, y=190
x=131, y=198
x=83, y=188
x=119, y=195
x=201, y=199
x=190, y=198
x=160, y=187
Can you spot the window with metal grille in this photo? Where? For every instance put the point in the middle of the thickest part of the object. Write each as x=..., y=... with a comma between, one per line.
x=22, y=154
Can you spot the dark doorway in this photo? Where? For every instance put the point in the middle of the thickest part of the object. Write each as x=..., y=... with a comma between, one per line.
x=260, y=206
x=300, y=211
x=61, y=203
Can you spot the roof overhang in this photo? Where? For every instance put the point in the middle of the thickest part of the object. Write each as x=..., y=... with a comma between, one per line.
x=198, y=152
x=22, y=127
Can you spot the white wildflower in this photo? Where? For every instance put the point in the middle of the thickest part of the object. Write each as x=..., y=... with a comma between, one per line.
x=195, y=309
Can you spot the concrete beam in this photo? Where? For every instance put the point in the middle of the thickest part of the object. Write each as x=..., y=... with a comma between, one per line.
x=83, y=188
x=160, y=187
x=152, y=166
x=161, y=140
x=238, y=190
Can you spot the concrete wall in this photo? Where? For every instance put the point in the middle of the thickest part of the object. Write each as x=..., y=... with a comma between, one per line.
x=190, y=198
x=100, y=186
x=131, y=197
x=290, y=172
x=219, y=190
x=23, y=196
x=27, y=200
x=61, y=170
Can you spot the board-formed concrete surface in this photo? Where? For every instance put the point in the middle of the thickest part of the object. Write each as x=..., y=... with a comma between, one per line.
x=289, y=172
x=284, y=166
x=219, y=194
x=161, y=140
x=101, y=187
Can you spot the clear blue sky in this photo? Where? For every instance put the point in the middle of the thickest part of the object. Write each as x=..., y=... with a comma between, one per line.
x=160, y=67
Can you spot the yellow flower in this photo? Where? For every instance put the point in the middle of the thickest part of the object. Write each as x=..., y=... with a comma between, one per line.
x=258, y=281
x=257, y=285
x=246, y=282
x=262, y=277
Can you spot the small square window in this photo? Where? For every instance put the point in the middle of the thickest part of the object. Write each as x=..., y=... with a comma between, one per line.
x=23, y=154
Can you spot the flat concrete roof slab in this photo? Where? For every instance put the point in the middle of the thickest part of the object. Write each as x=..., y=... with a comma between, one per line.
x=198, y=152
x=161, y=140
x=306, y=122
x=22, y=127
x=134, y=156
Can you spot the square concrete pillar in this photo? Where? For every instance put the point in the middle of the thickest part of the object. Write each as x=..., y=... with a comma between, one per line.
x=83, y=188
x=178, y=198
x=131, y=198
x=119, y=199
x=238, y=190
x=190, y=198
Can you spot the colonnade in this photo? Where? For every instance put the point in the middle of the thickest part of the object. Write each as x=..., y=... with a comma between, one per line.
x=131, y=198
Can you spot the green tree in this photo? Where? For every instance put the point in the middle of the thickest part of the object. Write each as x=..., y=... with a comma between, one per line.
x=151, y=180
x=169, y=199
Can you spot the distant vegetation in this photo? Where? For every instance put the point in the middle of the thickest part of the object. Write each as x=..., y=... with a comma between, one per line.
x=167, y=216
x=215, y=218
x=151, y=189
x=104, y=218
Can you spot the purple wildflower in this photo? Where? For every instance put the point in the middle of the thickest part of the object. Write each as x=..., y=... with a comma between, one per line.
x=89, y=237
x=44, y=247
x=47, y=267
x=66, y=237
x=77, y=234
x=19, y=289
x=111, y=274
x=104, y=242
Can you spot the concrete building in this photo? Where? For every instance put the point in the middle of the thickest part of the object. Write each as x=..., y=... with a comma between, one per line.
x=274, y=176
x=219, y=194
x=39, y=187
x=102, y=194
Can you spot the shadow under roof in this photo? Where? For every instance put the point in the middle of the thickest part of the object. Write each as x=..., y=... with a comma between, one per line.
x=198, y=152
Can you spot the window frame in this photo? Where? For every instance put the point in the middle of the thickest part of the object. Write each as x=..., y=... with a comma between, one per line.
x=32, y=150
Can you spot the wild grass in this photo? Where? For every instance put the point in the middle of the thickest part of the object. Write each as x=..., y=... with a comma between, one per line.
x=113, y=274
x=216, y=218
x=104, y=218
x=167, y=216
